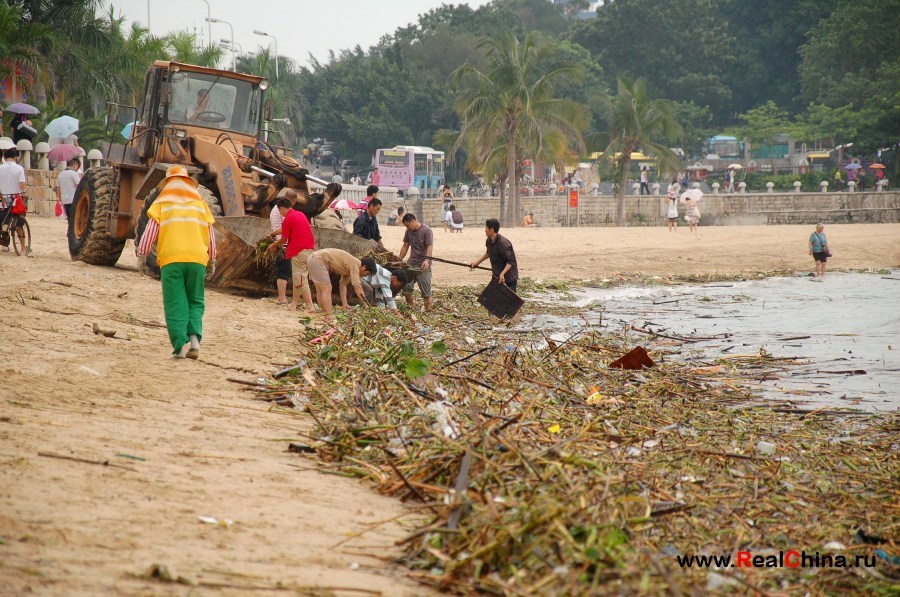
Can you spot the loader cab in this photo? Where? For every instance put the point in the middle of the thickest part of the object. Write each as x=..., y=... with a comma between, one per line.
x=184, y=101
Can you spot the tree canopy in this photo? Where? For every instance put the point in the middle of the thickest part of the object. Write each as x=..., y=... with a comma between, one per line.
x=832, y=66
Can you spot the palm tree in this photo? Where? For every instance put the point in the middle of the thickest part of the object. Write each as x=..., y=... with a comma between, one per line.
x=512, y=108
x=635, y=120
x=183, y=48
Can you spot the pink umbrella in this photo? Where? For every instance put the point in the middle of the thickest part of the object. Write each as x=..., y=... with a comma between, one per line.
x=63, y=153
x=343, y=204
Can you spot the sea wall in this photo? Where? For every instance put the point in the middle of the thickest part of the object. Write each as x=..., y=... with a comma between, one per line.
x=649, y=210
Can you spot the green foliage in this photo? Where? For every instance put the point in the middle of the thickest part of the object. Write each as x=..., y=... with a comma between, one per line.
x=681, y=49
x=766, y=36
x=846, y=50
x=809, y=182
x=416, y=368
x=851, y=64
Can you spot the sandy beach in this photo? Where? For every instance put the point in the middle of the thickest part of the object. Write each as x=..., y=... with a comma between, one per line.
x=183, y=442
x=591, y=253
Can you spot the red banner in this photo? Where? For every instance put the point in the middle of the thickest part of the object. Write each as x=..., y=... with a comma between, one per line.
x=573, y=198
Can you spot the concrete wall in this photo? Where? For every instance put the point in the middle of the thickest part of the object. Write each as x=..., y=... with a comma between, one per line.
x=717, y=210
x=41, y=187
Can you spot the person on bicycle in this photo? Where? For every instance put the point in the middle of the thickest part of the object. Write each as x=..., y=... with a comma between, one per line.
x=12, y=188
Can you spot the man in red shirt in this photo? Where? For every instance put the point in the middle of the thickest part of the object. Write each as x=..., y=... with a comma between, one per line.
x=297, y=233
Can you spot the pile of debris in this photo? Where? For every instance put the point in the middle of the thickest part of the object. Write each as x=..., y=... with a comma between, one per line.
x=538, y=468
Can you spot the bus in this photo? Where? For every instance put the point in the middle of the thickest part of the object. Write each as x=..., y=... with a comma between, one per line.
x=406, y=166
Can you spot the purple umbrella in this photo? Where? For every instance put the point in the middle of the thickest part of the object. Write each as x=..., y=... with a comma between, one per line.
x=63, y=153
x=852, y=167
x=20, y=108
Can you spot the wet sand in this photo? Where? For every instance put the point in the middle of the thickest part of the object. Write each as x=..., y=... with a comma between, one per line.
x=194, y=444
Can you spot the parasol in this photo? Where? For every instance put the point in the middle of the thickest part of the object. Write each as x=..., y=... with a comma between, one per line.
x=20, y=108
x=63, y=153
x=693, y=194
x=127, y=129
x=852, y=167
x=343, y=204
x=735, y=166
x=876, y=166
x=61, y=127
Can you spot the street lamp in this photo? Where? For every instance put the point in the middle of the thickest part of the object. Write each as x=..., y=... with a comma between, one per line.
x=233, y=61
x=208, y=24
x=232, y=45
x=264, y=34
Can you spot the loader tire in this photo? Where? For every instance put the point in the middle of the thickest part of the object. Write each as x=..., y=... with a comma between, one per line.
x=151, y=263
x=89, y=239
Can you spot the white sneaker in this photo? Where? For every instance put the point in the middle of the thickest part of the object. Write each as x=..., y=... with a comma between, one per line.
x=183, y=352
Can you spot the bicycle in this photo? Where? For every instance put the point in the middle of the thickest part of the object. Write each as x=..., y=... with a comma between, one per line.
x=16, y=226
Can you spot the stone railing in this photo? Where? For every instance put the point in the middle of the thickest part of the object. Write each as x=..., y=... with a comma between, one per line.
x=600, y=210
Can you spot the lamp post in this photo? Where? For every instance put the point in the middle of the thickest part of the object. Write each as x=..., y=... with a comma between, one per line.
x=264, y=34
x=232, y=45
x=148, y=16
x=230, y=28
x=208, y=24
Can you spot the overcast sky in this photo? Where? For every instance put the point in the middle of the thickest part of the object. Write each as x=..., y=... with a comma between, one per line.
x=302, y=27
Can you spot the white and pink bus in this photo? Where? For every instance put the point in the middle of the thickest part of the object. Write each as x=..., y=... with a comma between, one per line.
x=406, y=166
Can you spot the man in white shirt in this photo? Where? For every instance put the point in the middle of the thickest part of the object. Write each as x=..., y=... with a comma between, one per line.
x=67, y=183
x=337, y=177
x=12, y=183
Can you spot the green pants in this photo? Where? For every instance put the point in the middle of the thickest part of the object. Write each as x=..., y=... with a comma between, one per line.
x=182, y=288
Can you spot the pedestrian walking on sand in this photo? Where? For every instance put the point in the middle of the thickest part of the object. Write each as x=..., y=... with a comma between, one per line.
x=499, y=250
x=818, y=248
x=419, y=241
x=181, y=225
x=693, y=214
x=672, y=203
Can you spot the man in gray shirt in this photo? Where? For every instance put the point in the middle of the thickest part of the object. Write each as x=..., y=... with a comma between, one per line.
x=420, y=239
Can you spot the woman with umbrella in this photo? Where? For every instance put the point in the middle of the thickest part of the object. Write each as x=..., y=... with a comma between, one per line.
x=692, y=198
x=20, y=125
x=879, y=172
x=62, y=131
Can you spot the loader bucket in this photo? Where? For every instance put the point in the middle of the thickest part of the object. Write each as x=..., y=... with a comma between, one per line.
x=236, y=239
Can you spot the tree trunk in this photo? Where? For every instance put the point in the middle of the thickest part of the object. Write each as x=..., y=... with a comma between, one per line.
x=512, y=205
x=623, y=188
x=40, y=94
x=502, y=210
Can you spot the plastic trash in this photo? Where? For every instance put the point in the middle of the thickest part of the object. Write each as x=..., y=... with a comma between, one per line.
x=765, y=448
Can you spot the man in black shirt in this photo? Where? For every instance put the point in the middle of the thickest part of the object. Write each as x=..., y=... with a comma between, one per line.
x=366, y=224
x=500, y=251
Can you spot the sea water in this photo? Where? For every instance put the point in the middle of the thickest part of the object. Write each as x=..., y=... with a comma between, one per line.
x=844, y=330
